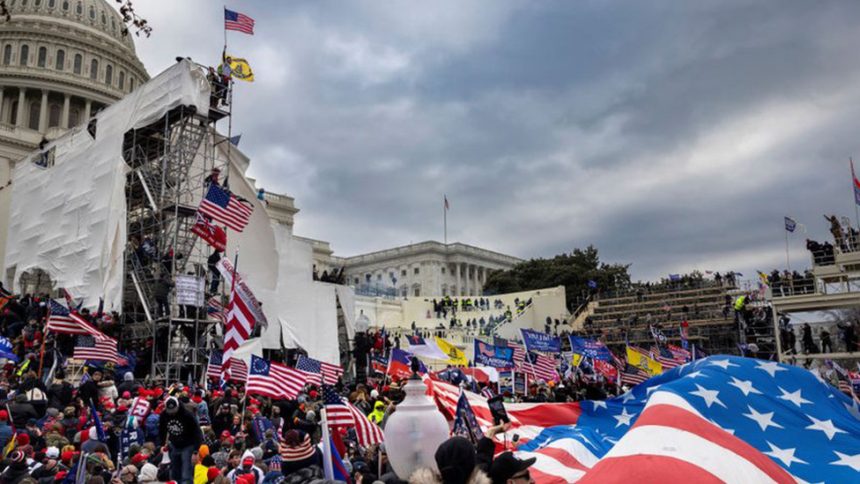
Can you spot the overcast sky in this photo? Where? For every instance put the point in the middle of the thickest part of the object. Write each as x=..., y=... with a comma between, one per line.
x=671, y=135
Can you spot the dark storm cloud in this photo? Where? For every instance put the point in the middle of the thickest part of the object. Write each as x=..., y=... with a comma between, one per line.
x=671, y=135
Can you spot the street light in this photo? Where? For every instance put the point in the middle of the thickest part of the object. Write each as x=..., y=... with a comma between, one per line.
x=415, y=430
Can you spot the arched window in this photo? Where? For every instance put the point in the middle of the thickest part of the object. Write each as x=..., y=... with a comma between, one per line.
x=66, y=5
x=34, y=116
x=79, y=60
x=109, y=74
x=25, y=52
x=43, y=57
x=121, y=80
x=54, y=112
x=79, y=8
x=92, y=12
x=74, y=117
x=23, y=3
x=130, y=84
x=7, y=55
x=94, y=69
x=104, y=18
x=61, y=60
x=38, y=2
x=52, y=3
x=113, y=24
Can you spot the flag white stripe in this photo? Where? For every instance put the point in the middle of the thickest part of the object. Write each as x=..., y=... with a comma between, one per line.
x=552, y=467
x=688, y=447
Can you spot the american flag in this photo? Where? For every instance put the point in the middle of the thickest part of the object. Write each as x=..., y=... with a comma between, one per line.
x=237, y=329
x=519, y=353
x=487, y=392
x=719, y=419
x=238, y=21
x=342, y=413
x=226, y=208
x=319, y=372
x=274, y=379
x=540, y=366
x=679, y=353
x=62, y=321
x=215, y=310
x=665, y=357
x=238, y=368
x=89, y=348
x=633, y=375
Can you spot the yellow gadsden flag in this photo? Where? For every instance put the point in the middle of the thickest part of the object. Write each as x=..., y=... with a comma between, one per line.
x=642, y=360
x=241, y=69
x=455, y=355
x=576, y=360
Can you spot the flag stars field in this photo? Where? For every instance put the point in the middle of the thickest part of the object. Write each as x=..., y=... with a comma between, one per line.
x=793, y=397
x=825, y=426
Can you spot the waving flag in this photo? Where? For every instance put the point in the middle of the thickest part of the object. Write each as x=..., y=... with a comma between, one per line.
x=418, y=346
x=238, y=368
x=319, y=372
x=400, y=365
x=274, y=379
x=719, y=419
x=643, y=360
x=226, y=208
x=90, y=348
x=790, y=224
x=342, y=413
x=238, y=22
x=542, y=367
x=62, y=321
x=210, y=233
x=237, y=329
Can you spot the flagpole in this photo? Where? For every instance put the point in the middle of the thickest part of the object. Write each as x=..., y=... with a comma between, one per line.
x=328, y=470
x=854, y=190
x=445, y=216
x=787, y=259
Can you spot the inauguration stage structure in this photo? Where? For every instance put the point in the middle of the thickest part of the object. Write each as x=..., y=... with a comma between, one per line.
x=107, y=210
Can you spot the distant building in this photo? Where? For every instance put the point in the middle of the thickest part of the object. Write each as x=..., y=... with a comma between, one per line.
x=423, y=269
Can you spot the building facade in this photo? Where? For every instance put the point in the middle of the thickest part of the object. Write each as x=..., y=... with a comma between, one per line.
x=61, y=61
x=424, y=269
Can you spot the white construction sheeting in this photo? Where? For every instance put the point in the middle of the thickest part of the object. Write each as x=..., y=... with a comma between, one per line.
x=70, y=219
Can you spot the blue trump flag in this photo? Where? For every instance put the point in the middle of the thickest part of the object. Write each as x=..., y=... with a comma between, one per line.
x=590, y=348
x=542, y=342
x=491, y=355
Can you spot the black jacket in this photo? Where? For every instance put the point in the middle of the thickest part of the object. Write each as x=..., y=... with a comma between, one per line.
x=180, y=428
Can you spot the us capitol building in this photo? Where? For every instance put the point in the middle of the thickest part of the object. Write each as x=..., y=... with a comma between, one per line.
x=61, y=61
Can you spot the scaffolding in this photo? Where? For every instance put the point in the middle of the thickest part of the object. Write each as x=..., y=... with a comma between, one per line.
x=169, y=161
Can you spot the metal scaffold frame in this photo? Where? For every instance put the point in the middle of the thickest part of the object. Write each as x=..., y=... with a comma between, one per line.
x=169, y=161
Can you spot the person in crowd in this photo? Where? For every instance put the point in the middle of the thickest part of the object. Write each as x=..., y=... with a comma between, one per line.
x=183, y=437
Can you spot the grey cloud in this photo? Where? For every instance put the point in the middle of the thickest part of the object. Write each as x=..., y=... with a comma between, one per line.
x=670, y=135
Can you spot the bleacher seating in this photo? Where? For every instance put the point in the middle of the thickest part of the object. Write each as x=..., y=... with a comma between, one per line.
x=709, y=315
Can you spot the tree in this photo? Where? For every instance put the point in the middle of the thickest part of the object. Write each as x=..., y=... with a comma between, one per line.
x=573, y=271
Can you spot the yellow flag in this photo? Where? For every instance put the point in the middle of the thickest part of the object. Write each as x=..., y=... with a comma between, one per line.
x=455, y=356
x=577, y=358
x=241, y=69
x=9, y=447
x=644, y=362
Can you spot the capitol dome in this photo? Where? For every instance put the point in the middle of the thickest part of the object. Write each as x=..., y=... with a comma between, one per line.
x=60, y=62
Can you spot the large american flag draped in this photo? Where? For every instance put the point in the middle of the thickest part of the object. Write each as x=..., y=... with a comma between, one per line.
x=238, y=21
x=89, y=348
x=666, y=357
x=339, y=412
x=237, y=330
x=238, y=368
x=62, y=321
x=718, y=419
x=226, y=208
x=274, y=379
x=319, y=372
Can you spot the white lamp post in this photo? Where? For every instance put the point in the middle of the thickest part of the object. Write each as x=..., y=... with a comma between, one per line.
x=415, y=430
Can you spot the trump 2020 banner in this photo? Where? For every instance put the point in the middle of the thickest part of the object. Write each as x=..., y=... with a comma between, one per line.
x=495, y=356
x=545, y=343
x=590, y=348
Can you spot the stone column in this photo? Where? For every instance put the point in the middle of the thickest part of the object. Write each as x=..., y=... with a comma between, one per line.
x=22, y=99
x=43, y=113
x=64, y=118
x=87, y=110
x=459, y=287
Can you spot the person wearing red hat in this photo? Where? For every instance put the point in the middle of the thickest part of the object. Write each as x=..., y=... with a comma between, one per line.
x=246, y=471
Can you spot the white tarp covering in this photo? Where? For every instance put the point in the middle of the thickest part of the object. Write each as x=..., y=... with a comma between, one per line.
x=70, y=219
x=346, y=296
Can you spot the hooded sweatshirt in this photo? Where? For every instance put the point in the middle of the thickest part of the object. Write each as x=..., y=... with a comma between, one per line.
x=378, y=412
